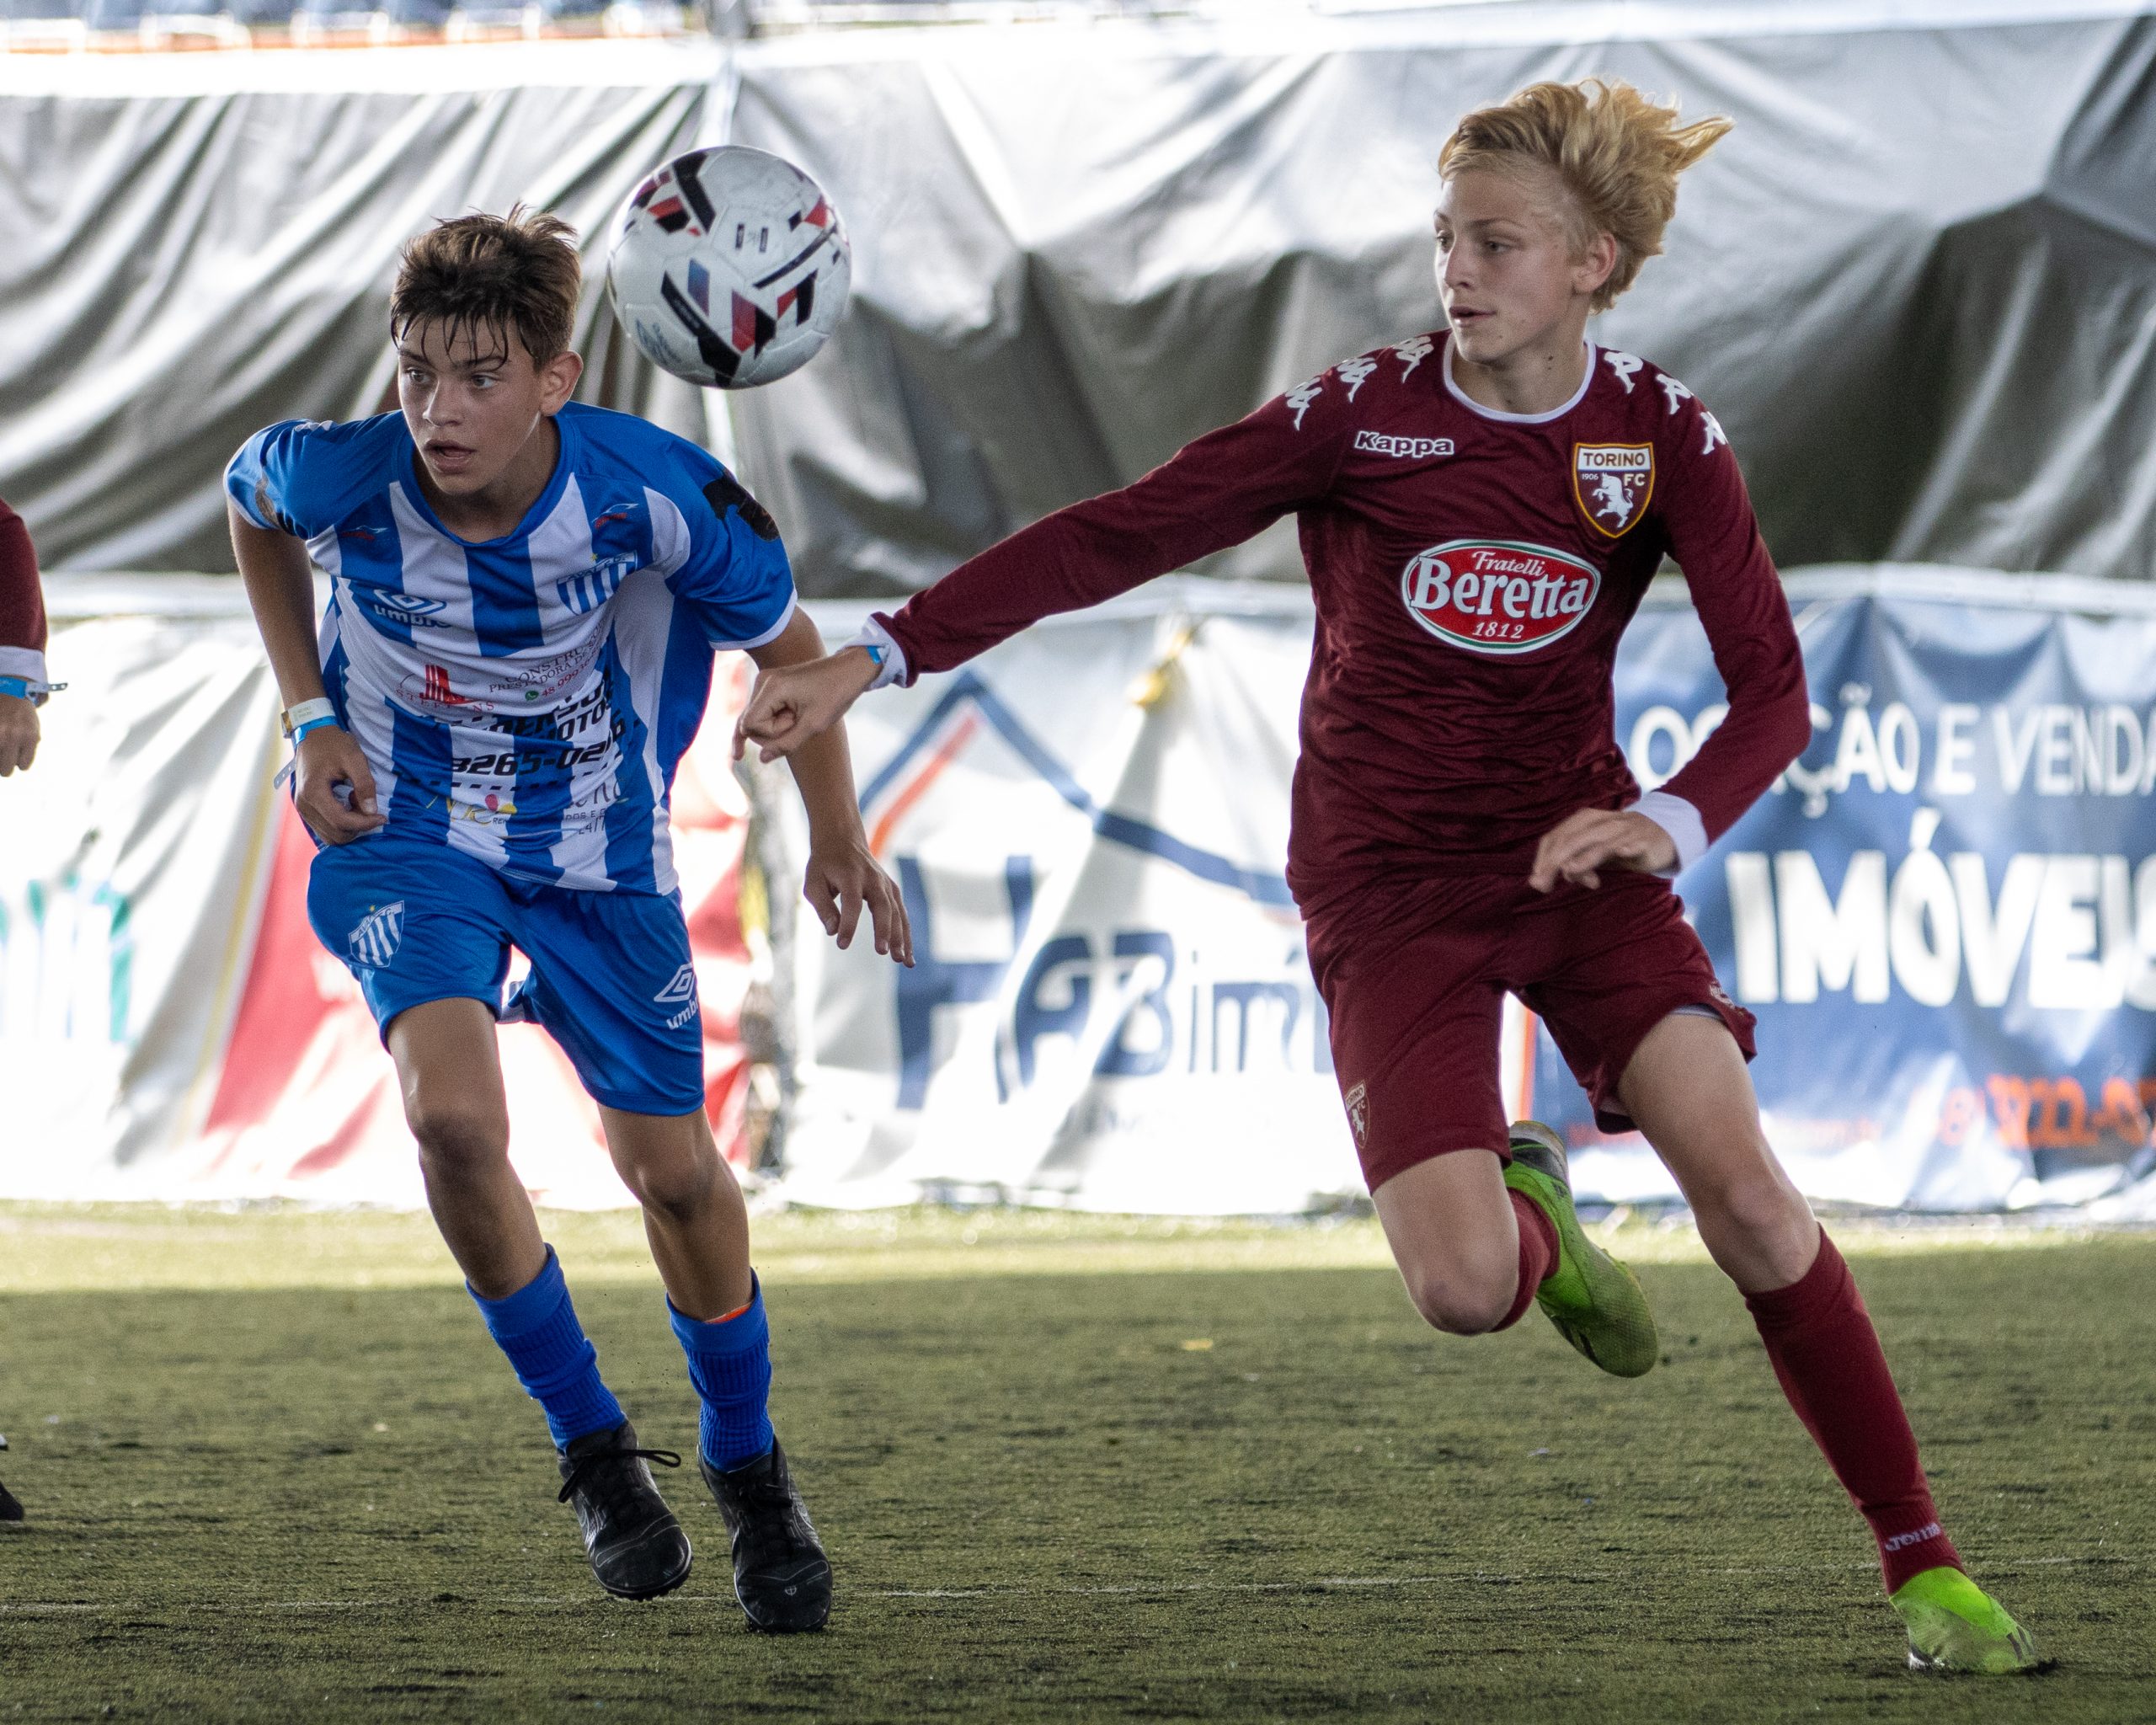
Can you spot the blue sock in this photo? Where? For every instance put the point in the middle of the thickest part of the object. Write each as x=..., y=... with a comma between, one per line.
x=730, y=1364
x=536, y=1327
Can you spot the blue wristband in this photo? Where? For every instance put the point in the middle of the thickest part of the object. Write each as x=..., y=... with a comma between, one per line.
x=312, y=725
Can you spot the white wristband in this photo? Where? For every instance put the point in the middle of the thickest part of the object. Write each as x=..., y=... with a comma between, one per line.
x=320, y=708
x=875, y=640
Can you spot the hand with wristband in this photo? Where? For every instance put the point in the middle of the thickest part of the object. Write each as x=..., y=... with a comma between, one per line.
x=333, y=788
x=20, y=698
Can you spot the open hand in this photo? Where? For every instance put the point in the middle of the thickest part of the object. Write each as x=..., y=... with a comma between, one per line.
x=792, y=703
x=845, y=877
x=1580, y=845
x=328, y=757
x=19, y=732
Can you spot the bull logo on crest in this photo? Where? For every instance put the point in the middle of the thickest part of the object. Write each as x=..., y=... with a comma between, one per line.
x=1613, y=483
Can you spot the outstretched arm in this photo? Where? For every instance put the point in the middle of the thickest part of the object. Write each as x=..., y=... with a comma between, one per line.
x=843, y=875
x=1215, y=492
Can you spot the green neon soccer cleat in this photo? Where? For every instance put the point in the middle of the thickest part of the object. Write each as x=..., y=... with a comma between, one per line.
x=1955, y=1625
x=1590, y=1298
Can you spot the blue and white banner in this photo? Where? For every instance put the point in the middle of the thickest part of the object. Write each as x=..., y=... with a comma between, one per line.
x=1944, y=916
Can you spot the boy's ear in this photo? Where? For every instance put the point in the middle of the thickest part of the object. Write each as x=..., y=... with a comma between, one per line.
x=558, y=380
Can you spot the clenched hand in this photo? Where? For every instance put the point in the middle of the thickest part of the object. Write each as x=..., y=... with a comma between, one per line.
x=1580, y=845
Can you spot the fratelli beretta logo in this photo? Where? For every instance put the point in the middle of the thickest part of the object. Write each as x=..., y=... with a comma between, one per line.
x=1497, y=596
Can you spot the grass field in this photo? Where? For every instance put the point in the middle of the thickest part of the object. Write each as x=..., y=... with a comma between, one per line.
x=1068, y=1469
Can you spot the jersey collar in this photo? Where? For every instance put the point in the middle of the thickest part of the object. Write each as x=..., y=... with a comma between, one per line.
x=557, y=482
x=1475, y=407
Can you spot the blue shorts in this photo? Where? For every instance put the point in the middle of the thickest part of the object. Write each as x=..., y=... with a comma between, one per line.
x=611, y=980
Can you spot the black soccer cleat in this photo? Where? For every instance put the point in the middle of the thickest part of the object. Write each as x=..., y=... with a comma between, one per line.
x=10, y=1510
x=780, y=1575
x=636, y=1548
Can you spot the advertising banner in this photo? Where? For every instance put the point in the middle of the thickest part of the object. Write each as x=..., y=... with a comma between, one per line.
x=1944, y=914
x=170, y=1027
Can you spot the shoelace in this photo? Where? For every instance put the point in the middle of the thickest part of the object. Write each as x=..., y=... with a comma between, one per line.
x=598, y=1459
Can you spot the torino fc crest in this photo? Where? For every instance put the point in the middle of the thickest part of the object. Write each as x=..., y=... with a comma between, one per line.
x=1612, y=482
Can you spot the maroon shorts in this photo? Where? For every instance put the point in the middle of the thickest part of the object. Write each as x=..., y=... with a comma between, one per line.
x=1416, y=978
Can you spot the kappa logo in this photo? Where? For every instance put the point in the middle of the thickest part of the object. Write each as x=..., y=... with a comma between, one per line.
x=681, y=991
x=1623, y=365
x=1359, y=1114
x=1412, y=353
x=1406, y=449
x=376, y=937
x=1354, y=373
x=1298, y=399
x=1498, y=597
x=1613, y=483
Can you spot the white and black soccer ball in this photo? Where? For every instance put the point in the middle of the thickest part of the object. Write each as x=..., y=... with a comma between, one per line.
x=729, y=267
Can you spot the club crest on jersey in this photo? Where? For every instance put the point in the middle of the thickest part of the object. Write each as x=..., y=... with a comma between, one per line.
x=1612, y=482
x=1498, y=595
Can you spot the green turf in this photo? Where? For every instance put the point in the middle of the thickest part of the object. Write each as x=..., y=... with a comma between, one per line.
x=309, y=1498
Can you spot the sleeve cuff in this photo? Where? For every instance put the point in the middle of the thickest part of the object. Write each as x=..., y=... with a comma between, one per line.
x=881, y=646
x=23, y=662
x=1681, y=821
x=770, y=634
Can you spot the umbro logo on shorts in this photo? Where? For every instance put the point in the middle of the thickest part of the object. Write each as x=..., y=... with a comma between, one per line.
x=681, y=991
x=374, y=939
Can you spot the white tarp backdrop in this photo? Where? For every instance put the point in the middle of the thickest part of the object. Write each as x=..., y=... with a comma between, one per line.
x=1915, y=283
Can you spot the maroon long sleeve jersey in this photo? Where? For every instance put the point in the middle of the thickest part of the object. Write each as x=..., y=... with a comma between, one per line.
x=1472, y=572
x=21, y=602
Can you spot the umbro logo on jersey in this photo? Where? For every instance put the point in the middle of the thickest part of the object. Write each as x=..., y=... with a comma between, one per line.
x=407, y=608
x=1498, y=597
x=682, y=988
x=1613, y=483
x=374, y=938
x=1406, y=449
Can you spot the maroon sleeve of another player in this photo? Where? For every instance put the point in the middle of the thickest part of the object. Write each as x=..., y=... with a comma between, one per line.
x=22, y=603
x=1712, y=534
x=1214, y=492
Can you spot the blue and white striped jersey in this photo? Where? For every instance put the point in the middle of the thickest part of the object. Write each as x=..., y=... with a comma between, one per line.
x=526, y=700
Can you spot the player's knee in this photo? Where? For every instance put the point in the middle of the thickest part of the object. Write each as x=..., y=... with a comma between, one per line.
x=1756, y=1209
x=455, y=1137
x=1462, y=1303
x=679, y=1186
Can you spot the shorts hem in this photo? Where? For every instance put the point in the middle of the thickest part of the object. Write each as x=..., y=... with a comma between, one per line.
x=1609, y=1117
x=622, y=1101
x=1375, y=1174
x=491, y=1002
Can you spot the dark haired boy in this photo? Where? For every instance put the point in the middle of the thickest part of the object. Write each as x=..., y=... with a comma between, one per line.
x=525, y=598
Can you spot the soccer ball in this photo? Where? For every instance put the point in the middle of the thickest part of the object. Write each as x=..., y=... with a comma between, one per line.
x=729, y=267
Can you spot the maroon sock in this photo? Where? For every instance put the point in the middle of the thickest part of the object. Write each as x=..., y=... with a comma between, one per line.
x=1537, y=1254
x=1826, y=1355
